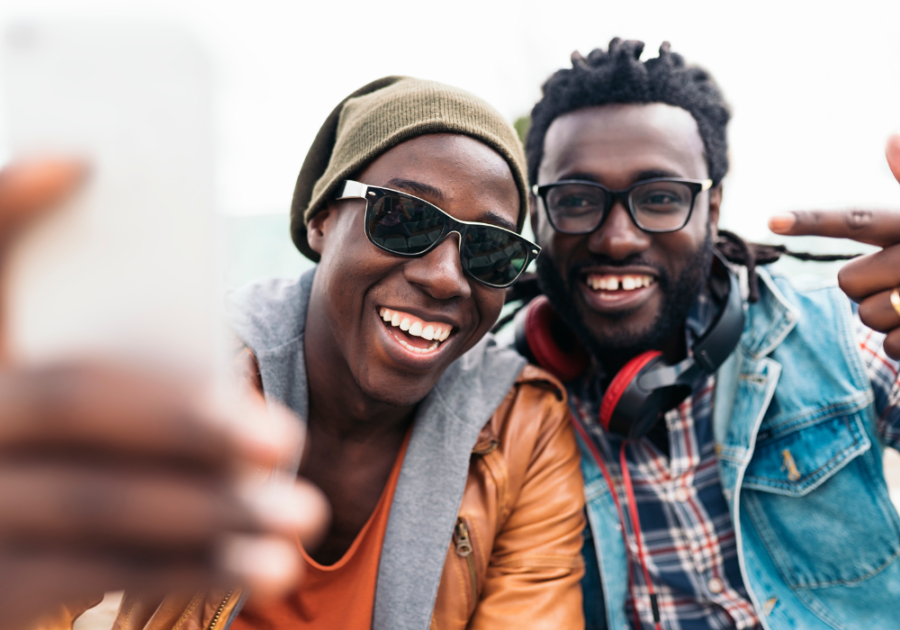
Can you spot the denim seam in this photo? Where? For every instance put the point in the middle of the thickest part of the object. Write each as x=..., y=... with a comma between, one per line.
x=848, y=340
x=767, y=535
x=734, y=454
x=816, y=607
x=788, y=321
x=859, y=580
x=769, y=538
x=874, y=468
x=861, y=444
x=773, y=371
x=798, y=421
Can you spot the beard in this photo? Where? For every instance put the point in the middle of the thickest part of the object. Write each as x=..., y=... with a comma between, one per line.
x=678, y=294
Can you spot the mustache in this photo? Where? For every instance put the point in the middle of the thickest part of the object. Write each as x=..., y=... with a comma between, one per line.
x=637, y=260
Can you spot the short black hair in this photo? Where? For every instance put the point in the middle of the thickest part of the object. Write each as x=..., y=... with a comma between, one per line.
x=618, y=75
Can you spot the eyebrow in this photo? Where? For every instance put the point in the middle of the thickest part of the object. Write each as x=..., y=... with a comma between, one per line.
x=648, y=174
x=421, y=189
x=493, y=217
x=417, y=188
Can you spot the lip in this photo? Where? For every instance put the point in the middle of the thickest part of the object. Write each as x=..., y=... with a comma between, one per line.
x=617, y=301
x=418, y=361
x=619, y=271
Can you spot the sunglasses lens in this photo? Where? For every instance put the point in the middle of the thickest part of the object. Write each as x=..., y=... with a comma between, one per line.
x=404, y=226
x=493, y=256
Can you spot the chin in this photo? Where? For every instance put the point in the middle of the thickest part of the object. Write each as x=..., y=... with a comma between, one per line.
x=618, y=335
x=398, y=392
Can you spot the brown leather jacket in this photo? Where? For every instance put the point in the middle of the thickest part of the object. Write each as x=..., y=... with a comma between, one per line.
x=514, y=560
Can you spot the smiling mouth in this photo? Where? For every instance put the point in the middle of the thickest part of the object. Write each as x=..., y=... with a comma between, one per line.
x=618, y=282
x=414, y=334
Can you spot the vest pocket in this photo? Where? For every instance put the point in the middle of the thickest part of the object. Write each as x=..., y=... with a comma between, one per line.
x=818, y=499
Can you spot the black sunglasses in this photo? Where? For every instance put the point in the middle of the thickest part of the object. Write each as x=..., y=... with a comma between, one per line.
x=408, y=226
x=576, y=206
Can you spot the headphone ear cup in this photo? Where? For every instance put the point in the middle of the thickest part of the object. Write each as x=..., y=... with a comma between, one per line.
x=624, y=386
x=542, y=337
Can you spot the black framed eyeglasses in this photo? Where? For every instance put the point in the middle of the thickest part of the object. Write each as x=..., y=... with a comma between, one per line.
x=576, y=206
x=405, y=225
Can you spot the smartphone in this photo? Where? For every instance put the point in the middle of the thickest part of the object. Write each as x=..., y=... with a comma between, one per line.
x=127, y=268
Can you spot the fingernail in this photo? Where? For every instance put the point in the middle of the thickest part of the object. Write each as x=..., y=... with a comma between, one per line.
x=272, y=434
x=781, y=223
x=282, y=506
x=268, y=565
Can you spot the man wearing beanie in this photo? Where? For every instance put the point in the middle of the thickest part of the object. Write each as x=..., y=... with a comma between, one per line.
x=450, y=465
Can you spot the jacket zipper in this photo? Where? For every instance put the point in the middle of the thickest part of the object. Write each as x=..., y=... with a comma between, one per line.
x=215, y=619
x=465, y=550
x=486, y=450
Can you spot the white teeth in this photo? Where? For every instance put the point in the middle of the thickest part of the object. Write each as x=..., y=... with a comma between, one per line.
x=409, y=346
x=615, y=283
x=416, y=328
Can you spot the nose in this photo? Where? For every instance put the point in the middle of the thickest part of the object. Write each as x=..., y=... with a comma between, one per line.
x=618, y=237
x=439, y=272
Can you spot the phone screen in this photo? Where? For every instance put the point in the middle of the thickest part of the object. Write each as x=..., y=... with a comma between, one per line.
x=128, y=267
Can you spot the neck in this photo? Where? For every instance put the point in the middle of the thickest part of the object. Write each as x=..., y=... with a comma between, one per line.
x=673, y=348
x=338, y=407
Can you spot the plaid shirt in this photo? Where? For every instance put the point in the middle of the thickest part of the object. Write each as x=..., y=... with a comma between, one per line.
x=688, y=534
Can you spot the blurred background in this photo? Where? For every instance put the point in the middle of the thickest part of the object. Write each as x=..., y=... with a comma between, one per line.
x=814, y=91
x=814, y=88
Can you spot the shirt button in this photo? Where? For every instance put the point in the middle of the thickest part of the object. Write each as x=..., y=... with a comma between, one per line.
x=681, y=495
x=715, y=586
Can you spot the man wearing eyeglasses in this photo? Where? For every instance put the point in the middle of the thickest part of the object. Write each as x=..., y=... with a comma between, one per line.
x=754, y=494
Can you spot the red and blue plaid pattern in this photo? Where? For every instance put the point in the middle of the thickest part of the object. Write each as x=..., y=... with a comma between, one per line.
x=688, y=534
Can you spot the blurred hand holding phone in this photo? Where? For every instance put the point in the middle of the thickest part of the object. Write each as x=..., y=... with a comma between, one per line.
x=128, y=267
x=110, y=311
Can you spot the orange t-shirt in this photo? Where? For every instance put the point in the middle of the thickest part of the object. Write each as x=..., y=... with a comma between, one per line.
x=341, y=595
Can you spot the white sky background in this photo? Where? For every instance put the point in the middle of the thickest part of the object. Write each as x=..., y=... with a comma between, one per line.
x=814, y=91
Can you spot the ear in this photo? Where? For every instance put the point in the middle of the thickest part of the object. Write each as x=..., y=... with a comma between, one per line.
x=715, y=203
x=317, y=230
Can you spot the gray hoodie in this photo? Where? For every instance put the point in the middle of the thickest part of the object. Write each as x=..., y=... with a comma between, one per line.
x=270, y=317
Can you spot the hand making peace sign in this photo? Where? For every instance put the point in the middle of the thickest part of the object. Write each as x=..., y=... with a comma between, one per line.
x=873, y=280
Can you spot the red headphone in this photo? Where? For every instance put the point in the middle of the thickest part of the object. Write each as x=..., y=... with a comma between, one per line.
x=647, y=385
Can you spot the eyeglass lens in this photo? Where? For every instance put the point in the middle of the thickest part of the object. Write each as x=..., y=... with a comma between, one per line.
x=406, y=226
x=660, y=205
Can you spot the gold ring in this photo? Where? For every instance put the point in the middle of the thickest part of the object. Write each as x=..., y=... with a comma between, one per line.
x=895, y=300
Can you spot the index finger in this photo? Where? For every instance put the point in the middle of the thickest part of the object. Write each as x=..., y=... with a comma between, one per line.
x=873, y=227
x=118, y=412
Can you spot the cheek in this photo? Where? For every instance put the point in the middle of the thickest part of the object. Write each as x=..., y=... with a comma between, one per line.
x=489, y=303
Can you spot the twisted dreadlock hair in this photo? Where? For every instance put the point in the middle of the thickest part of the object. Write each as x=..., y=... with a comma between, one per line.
x=618, y=75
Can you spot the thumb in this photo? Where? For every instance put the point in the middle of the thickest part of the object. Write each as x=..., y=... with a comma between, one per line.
x=892, y=152
x=27, y=189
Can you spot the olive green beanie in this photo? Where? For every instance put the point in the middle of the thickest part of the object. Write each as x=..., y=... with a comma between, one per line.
x=378, y=117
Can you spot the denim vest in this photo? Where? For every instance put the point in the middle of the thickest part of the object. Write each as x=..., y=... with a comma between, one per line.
x=816, y=549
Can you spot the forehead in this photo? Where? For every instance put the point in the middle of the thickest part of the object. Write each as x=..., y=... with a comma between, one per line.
x=616, y=144
x=469, y=180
